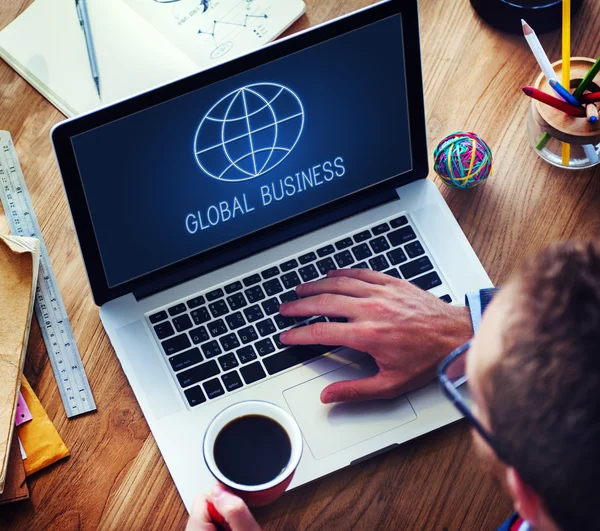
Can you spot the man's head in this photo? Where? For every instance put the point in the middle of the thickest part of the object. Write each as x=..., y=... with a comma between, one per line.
x=534, y=372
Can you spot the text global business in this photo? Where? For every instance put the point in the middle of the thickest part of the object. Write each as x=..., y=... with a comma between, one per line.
x=268, y=194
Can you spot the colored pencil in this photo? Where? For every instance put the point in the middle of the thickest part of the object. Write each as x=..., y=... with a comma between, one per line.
x=591, y=154
x=545, y=65
x=585, y=82
x=564, y=93
x=591, y=113
x=546, y=98
x=566, y=66
x=538, y=51
x=592, y=97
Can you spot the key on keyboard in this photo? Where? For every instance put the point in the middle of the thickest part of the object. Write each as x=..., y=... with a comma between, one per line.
x=271, y=306
x=157, y=317
x=270, y=273
x=235, y=320
x=195, y=302
x=255, y=294
x=306, y=258
x=308, y=273
x=164, y=330
x=200, y=316
x=246, y=354
x=428, y=281
x=236, y=301
x=216, y=328
x=194, y=396
x=211, y=349
x=214, y=295
x=176, y=310
x=400, y=236
x=253, y=313
x=416, y=267
x=290, y=280
x=182, y=323
x=228, y=361
x=176, y=344
x=235, y=286
x=232, y=381
x=251, y=280
x=213, y=388
x=198, y=373
x=185, y=359
x=253, y=372
x=325, y=265
x=324, y=251
x=199, y=335
x=248, y=334
x=344, y=259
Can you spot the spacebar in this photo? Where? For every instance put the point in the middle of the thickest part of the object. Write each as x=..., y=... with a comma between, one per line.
x=293, y=356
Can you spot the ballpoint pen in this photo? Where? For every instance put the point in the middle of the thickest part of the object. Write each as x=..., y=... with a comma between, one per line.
x=84, y=21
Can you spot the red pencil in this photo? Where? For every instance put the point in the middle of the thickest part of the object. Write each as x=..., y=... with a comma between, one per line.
x=546, y=98
x=590, y=98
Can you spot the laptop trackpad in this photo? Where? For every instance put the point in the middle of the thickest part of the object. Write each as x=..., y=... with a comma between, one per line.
x=329, y=428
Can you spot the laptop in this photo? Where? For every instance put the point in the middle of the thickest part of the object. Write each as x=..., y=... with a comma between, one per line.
x=200, y=206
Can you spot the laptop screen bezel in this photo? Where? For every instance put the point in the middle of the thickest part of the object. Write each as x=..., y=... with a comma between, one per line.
x=275, y=234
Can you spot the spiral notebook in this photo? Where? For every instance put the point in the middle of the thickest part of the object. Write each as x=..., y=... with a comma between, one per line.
x=140, y=44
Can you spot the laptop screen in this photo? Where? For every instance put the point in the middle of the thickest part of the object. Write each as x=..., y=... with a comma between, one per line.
x=219, y=163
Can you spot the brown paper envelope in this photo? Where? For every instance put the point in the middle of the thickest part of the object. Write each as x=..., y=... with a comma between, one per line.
x=15, y=488
x=19, y=260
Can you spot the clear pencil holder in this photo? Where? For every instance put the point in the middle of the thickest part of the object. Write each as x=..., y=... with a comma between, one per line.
x=548, y=128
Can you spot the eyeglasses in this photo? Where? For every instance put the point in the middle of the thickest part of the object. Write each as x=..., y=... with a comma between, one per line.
x=453, y=379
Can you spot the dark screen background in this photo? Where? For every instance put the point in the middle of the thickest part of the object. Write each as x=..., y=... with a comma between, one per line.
x=141, y=178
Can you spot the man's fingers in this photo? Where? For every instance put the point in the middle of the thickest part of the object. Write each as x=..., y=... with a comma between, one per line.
x=234, y=510
x=366, y=275
x=358, y=390
x=324, y=304
x=199, y=518
x=331, y=334
x=340, y=285
x=375, y=387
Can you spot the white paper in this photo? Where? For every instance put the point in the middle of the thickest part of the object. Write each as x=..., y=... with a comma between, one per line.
x=213, y=31
x=46, y=45
x=23, y=454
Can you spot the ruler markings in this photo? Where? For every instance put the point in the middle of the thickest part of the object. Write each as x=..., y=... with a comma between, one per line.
x=50, y=310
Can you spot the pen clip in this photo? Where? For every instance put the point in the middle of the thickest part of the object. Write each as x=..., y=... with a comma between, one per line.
x=79, y=13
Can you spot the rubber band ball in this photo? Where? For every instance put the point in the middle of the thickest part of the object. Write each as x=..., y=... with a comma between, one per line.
x=463, y=160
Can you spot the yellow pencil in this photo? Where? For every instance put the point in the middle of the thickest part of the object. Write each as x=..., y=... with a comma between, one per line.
x=566, y=65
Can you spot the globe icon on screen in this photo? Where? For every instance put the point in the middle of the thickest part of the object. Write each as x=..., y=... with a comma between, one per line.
x=249, y=132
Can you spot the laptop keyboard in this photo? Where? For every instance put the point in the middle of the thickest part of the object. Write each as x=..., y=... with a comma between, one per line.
x=226, y=338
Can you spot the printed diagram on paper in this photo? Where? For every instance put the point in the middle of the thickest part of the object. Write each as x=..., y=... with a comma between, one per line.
x=211, y=31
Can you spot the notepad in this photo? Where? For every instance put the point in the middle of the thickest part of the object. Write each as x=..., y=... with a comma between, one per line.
x=19, y=263
x=140, y=44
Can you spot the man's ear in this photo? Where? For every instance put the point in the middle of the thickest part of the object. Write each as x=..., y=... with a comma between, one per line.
x=527, y=503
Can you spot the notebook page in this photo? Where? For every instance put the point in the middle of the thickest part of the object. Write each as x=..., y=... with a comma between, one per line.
x=213, y=31
x=46, y=46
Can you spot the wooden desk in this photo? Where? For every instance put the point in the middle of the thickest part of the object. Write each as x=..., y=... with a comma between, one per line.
x=116, y=478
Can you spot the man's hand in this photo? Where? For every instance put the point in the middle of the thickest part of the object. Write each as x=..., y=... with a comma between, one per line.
x=234, y=511
x=407, y=331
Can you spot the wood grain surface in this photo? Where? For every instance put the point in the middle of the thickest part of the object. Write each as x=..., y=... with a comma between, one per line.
x=116, y=478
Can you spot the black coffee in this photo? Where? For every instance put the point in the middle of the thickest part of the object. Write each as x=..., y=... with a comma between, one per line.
x=252, y=450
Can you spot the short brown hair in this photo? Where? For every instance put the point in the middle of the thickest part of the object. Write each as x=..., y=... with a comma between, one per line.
x=544, y=397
